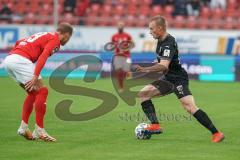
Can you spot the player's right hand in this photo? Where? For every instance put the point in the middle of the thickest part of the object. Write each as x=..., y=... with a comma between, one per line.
x=29, y=86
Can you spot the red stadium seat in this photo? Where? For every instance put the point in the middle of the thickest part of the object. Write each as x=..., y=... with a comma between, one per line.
x=81, y=8
x=102, y=21
x=29, y=18
x=3, y=22
x=232, y=4
x=203, y=23
x=47, y=2
x=205, y=12
x=119, y=10
x=61, y=2
x=132, y=9
x=215, y=23
x=168, y=10
x=4, y=1
x=64, y=18
x=231, y=12
x=134, y=2
x=191, y=22
x=229, y=23
x=60, y=9
x=156, y=10
x=147, y=2
x=35, y=4
x=116, y=19
x=20, y=8
x=237, y=24
x=131, y=21
x=47, y=10
x=218, y=13
x=109, y=2
x=107, y=9
x=109, y=13
x=179, y=21
x=142, y=21
x=144, y=10
x=95, y=8
x=91, y=20
x=122, y=2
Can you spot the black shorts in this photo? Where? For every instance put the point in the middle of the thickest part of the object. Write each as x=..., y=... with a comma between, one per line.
x=178, y=86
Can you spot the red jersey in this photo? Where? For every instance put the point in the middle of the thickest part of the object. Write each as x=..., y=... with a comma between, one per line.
x=37, y=47
x=117, y=39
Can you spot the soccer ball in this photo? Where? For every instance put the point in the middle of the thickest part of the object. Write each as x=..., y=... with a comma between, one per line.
x=140, y=131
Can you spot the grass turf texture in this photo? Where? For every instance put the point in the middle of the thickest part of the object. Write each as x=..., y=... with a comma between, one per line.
x=112, y=136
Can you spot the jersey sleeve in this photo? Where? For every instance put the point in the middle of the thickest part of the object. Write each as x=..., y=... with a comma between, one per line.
x=51, y=47
x=168, y=51
x=114, y=39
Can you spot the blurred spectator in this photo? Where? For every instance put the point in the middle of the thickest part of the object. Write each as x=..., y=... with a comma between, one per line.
x=6, y=14
x=69, y=5
x=218, y=4
x=97, y=1
x=159, y=2
x=162, y=2
x=205, y=2
x=180, y=7
x=193, y=7
x=81, y=7
x=170, y=2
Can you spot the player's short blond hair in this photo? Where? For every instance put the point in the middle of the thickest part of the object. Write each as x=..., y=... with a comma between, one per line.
x=160, y=21
x=65, y=28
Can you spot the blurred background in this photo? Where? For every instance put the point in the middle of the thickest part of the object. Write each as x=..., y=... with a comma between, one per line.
x=207, y=31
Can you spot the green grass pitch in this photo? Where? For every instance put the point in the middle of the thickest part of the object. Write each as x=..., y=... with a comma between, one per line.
x=111, y=136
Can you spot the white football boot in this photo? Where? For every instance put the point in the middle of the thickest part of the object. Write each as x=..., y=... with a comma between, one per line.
x=24, y=131
x=40, y=133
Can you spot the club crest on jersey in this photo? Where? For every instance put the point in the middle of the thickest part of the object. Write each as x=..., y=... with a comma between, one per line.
x=166, y=53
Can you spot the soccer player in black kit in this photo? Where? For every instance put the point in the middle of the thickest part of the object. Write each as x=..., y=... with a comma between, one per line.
x=175, y=80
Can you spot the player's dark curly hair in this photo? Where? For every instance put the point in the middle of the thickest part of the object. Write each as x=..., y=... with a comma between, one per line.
x=65, y=28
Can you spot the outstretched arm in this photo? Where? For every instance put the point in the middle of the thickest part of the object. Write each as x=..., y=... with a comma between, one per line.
x=159, y=67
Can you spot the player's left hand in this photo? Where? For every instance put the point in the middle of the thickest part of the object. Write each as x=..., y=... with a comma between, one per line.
x=29, y=86
x=136, y=68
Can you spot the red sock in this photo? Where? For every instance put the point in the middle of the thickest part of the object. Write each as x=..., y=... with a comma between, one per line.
x=28, y=106
x=40, y=105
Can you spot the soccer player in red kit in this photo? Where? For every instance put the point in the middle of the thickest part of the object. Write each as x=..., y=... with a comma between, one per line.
x=20, y=66
x=122, y=60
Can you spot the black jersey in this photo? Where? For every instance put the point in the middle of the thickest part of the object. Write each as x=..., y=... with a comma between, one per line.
x=168, y=49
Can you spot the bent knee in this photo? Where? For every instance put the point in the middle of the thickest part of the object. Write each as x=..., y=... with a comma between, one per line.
x=147, y=93
x=143, y=95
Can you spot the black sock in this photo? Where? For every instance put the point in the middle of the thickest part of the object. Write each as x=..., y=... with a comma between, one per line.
x=203, y=118
x=149, y=110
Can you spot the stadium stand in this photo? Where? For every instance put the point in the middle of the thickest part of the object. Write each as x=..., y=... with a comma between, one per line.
x=205, y=14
